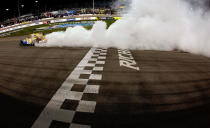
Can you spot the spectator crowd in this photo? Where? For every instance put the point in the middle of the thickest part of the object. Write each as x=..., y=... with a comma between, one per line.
x=57, y=14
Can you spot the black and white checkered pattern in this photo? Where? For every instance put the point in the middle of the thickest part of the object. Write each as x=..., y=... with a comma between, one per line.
x=75, y=99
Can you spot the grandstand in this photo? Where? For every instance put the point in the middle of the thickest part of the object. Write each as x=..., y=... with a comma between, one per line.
x=62, y=8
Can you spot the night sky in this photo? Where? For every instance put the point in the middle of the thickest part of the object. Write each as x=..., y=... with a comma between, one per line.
x=44, y=5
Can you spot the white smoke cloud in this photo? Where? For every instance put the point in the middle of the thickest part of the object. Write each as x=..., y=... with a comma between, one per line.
x=148, y=25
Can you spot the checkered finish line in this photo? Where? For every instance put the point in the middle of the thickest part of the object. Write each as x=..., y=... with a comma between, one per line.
x=71, y=97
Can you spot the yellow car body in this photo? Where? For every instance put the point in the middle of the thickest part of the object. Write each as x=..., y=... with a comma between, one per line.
x=33, y=39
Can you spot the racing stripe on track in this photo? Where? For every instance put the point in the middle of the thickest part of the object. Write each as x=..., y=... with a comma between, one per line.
x=75, y=96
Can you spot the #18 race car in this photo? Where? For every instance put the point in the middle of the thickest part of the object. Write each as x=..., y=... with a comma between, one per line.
x=33, y=39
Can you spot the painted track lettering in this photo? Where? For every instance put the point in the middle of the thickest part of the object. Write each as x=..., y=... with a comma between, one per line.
x=126, y=59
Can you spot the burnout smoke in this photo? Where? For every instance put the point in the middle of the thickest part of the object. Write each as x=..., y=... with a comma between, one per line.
x=147, y=25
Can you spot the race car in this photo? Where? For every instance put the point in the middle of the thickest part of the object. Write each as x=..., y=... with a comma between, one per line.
x=33, y=39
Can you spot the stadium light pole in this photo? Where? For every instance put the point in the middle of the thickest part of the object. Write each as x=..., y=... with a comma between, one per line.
x=93, y=6
x=18, y=8
x=22, y=6
x=37, y=3
x=7, y=10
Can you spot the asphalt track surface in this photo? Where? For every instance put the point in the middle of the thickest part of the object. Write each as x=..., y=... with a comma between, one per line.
x=171, y=89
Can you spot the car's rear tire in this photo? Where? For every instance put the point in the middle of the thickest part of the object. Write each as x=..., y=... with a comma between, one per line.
x=21, y=43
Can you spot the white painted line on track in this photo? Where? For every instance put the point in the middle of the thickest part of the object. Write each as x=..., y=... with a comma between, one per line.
x=98, y=69
x=94, y=89
x=86, y=106
x=95, y=77
x=56, y=109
